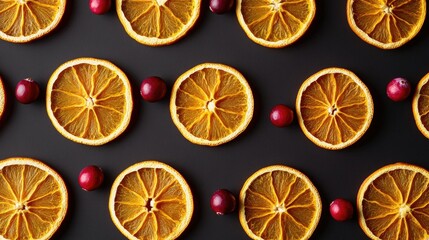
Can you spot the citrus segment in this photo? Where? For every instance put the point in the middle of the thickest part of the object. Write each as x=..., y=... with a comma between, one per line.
x=420, y=106
x=23, y=21
x=334, y=108
x=2, y=98
x=159, y=22
x=393, y=203
x=279, y=202
x=89, y=100
x=211, y=104
x=150, y=200
x=33, y=199
x=275, y=23
x=386, y=24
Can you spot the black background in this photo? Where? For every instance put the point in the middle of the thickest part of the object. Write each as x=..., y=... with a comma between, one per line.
x=275, y=76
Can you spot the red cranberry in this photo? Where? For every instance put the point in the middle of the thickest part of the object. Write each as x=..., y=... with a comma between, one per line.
x=27, y=91
x=281, y=115
x=153, y=89
x=341, y=209
x=90, y=178
x=222, y=202
x=398, y=89
x=100, y=6
x=221, y=6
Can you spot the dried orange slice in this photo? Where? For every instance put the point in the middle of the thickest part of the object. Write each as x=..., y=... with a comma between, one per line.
x=420, y=106
x=151, y=200
x=33, y=199
x=275, y=23
x=211, y=104
x=334, y=108
x=279, y=202
x=386, y=24
x=23, y=20
x=158, y=22
x=2, y=98
x=89, y=100
x=393, y=203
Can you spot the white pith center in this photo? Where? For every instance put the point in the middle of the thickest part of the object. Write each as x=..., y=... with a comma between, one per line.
x=90, y=102
x=404, y=209
x=387, y=9
x=20, y=206
x=161, y=2
x=275, y=5
x=332, y=110
x=280, y=209
x=150, y=204
x=211, y=105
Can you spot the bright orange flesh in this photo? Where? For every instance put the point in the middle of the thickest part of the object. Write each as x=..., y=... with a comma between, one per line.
x=22, y=21
x=393, y=203
x=33, y=199
x=386, y=24
x=151, y=200
x=278, y=202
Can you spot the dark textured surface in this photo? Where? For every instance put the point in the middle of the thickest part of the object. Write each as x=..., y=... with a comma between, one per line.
x=274, y=75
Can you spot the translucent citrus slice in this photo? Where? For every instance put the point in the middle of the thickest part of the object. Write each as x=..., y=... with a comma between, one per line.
x=420, y=106
x=25, y=20
x=151, y=200
x=158, y=22
x=275, y=23
x=33, y=199
x=211, y=104
x=334, y=108
x=386, y=24
x=279, y=202
x=89, y=101
x=393, y=203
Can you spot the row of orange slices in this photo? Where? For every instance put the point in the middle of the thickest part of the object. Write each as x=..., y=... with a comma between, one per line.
x=272, y=23
x=89, y=101
x=151, y=200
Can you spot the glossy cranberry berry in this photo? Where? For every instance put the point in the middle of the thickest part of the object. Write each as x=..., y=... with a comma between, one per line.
x=398, y=89
x=222, y=202
x=281, y=115
x=91, y=177
x=153, y=89
x=27, y=91
x=221, y=6
x=100, y=6
x=341, y=209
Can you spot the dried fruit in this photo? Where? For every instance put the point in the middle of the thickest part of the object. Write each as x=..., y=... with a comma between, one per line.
x=222, y=202
x=153, y=89
x=341, y=209
x=90, y=178
x=221, y=6
x=398, y=89
x=27, y=91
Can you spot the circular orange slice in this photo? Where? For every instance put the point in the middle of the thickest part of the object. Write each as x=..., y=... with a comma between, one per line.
x=334, y=108
x=33, y=199
x=89, y=101
x=22, y=20
x=420, y=106
x=2, y=98
x=279, y=202
x=158, y=22
x=211, y=104
x=150, y=200
x=393, y=203
x=275, y=23
x=386, y=24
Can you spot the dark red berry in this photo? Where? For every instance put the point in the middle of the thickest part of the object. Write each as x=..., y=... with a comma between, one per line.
x=281, y=115
x=91, y=177
x=153, y=89
x=398, y=89
x=222, y=202
x=341, y=209
x=221, y=6
x=27, y=91
x=100, y=6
